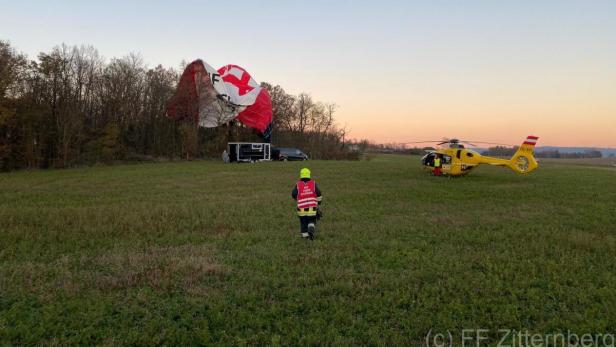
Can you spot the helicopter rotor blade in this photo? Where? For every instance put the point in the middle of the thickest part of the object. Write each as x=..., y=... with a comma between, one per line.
x=429, y=141
x=454, y=140
x=493, y=143
x=468, y=143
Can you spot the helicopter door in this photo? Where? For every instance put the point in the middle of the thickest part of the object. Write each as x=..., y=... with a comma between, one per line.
x=446, y=163
x=428, y=160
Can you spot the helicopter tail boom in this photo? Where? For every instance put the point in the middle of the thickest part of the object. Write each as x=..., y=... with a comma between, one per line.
x=523, y=160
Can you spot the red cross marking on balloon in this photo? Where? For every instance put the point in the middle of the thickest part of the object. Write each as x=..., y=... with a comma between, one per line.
x=241, y=84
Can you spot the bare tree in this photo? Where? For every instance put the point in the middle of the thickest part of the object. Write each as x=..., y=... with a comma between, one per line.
x=71, y=106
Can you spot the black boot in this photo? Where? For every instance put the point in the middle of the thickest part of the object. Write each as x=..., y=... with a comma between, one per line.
x=311, y=231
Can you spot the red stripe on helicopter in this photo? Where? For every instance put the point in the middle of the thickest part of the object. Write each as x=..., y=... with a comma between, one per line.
x=531, y=140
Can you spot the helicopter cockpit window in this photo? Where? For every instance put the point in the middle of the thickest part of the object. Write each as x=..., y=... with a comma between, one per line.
x=446, y=159
x=458, y=153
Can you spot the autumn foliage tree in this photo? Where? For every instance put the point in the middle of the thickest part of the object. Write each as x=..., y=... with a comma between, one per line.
x=71, y=106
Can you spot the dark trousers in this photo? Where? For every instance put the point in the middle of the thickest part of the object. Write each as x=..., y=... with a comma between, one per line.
x=305, y=220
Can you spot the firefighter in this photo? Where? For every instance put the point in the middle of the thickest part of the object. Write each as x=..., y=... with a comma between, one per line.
x=308, y=197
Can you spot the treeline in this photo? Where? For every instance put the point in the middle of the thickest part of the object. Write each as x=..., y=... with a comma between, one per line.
x=502, y=151
x=300, y=121
x=572, y=155
x=366, y=146
x=73, y=107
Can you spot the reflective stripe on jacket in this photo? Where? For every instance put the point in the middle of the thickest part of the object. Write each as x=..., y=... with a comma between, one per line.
x=310, y=211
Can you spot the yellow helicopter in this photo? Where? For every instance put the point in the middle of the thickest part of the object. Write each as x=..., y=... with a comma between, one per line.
x=456, y=160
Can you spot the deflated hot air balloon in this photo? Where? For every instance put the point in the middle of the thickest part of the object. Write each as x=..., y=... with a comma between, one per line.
x=212, y=97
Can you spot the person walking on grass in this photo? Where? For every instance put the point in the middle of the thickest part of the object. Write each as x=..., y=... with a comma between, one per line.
x=308, y=197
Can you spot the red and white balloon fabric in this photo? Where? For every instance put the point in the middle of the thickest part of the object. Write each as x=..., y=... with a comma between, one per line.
x=212, y=97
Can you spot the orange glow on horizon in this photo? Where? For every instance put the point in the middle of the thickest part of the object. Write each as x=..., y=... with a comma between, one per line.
x=561, y=114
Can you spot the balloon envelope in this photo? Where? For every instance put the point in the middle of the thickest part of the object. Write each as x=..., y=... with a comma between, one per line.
x=210, y=97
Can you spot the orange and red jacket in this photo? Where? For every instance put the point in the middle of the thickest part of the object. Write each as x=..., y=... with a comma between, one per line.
x=308, y=197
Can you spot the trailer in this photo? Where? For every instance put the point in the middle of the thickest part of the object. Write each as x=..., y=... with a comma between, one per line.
x=247, y=152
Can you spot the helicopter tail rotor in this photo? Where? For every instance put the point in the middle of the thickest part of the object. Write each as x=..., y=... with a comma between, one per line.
x=523, y=161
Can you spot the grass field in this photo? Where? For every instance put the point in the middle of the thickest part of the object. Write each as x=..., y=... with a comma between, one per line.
x=605, y=161
x=206, y=253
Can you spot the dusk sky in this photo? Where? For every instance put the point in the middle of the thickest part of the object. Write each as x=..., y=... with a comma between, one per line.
x=399, y=71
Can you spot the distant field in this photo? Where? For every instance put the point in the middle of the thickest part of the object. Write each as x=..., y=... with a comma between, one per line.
x=610, y=161
x=209, y=253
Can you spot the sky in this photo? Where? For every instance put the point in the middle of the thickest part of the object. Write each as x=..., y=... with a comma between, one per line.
x=399, y=71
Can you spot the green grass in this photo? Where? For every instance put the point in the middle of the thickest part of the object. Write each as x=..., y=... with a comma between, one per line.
x=207, y=253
